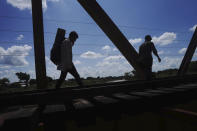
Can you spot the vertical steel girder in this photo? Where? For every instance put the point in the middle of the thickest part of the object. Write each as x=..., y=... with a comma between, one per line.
x=113, y=33
x=39, y=52
x=188, y=55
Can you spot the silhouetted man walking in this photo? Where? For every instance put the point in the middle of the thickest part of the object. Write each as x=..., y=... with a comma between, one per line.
x=145, y=56
x=66, y=65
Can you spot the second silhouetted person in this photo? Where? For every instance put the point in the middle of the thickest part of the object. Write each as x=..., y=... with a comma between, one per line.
x=145, y=56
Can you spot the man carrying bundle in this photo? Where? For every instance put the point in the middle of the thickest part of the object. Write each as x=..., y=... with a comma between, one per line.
x=66, y=65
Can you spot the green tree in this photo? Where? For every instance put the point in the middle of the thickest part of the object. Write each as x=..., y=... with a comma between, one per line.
x=49, y=79
x=128, y=75
x=4, y=82
x=32, y=81
x=23, y=77
x=192, y=67
x=166, y=73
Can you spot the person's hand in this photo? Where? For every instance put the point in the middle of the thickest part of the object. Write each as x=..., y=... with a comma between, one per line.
x=159, y=59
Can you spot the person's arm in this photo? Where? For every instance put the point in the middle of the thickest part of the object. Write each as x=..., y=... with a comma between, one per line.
x=155, y=52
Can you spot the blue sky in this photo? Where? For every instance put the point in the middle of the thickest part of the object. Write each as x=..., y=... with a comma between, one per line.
x=170, y=22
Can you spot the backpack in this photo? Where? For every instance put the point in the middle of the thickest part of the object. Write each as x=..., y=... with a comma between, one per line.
x=55, y=54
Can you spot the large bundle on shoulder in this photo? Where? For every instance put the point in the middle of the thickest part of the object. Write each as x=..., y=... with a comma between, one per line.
x=55, y=54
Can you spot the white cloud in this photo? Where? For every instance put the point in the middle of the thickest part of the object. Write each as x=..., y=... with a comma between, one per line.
x=47, y=58
x=54, y=0
x=161, y=52
x=91, y=55
x=195, y=53
x=49, y=62
x=182, y=51
x=102, y=68
x=14, y=55
x=21, y=4
x=10, y=74
x=109, y=66
x=106, y=64
x=114, y=58
x=112, y=68
x=135, y=41
x=115, y=49
x=32, y=74
x=193, y=28
x=165, y=39
x=167, y=63
x=77, y=62
x=26, y=4
x=20, y=37
x=106, y=68
x=106, y=48
x=4, y=67
x=51, y=69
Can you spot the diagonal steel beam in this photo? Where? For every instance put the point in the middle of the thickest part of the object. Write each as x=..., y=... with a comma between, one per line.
x=113, y=33
x=188, y=55
x=39, y=51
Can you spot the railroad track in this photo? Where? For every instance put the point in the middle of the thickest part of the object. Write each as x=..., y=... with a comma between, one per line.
x=53, y=96
x=108, y=101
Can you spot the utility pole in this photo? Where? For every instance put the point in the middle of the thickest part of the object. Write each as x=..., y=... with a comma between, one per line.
x=113, y=33
x=188, y=55
x=38, y=33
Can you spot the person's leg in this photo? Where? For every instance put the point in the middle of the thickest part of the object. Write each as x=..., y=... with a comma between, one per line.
x=149, y=72
x=149, y=69
x=61, y=79
x=74, y=72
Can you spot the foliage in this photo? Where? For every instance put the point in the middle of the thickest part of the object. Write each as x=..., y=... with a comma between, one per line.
x=15, y=85
x=192, y=67
x=4, y=81
x=49, y=79
x=128, y=75
x=91, y=80
x=23, y=77
x=166, y=73
x=32, y=81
